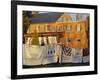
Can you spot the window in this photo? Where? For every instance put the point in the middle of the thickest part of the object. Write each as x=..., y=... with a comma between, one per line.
x=68, y=27
x=48, y=28
x=37, y=28
x=78, y=27
x=59, y=28
x=69, y=39
x=78, y=39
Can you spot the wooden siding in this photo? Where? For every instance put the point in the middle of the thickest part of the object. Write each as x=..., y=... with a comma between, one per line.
x=65, y=34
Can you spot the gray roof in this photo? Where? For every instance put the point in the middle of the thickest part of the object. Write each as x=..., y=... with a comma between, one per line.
x=53, y=16
x=46, y=17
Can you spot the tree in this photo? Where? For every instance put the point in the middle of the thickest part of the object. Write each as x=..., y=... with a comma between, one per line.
x=88, y=20
x=88, y=25
x=35, y=39
x=86, y=51
x=26, y=23
x=34, y=13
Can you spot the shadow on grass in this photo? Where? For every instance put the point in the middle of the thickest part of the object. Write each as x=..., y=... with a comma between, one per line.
x=56, y=65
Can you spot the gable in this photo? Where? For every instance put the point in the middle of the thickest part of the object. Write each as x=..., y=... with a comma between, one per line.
x=65, y=17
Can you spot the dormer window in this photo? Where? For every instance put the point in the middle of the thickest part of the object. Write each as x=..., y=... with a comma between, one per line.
x=78, y=27
x=58, y=28
x=48, y=28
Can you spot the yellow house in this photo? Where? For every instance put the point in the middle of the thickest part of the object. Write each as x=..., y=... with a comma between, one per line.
x=59, y=25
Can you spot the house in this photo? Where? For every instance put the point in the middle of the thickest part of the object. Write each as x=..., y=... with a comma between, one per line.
x=58, y=27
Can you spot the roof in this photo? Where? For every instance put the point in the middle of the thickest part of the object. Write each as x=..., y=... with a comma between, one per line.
x=46, y=17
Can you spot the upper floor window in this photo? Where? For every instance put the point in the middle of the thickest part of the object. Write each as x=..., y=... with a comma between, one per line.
x=48, y=27
x=68, y=27
x=78, y=27
x=37, y=28
x=59, y=28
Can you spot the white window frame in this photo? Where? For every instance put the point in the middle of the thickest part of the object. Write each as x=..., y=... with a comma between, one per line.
x=37, y=28
x=78, y=27
x=69, y=27
x=59, y=28
x=47, y=25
